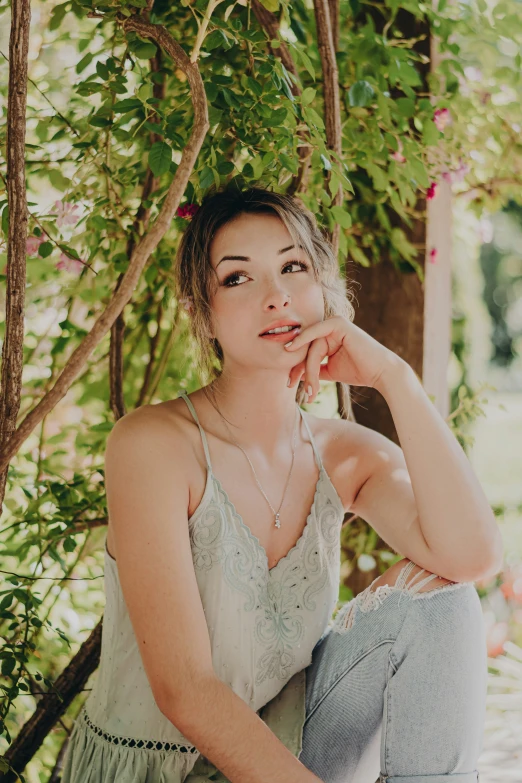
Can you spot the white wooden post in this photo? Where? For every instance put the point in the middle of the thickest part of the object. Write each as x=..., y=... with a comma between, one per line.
x=437, y=287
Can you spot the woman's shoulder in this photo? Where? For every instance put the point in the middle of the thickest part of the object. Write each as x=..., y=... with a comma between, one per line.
x=167, y=427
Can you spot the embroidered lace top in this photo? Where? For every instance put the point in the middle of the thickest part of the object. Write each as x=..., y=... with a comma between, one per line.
x=263, y=625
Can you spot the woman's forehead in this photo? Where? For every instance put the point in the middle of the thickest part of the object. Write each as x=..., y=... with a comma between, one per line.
x=248, y=235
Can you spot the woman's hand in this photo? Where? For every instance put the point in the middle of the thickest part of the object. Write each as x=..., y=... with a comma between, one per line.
x=353, y=356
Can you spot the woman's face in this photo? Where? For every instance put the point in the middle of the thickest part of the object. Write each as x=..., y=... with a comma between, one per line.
x=266, y=285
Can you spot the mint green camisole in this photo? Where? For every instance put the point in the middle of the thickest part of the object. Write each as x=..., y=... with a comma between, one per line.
x=263, y=624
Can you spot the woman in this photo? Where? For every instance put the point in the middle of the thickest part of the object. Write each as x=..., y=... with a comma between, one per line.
x=220, y=659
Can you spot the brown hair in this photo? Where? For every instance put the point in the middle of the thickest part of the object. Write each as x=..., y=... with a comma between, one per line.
x=194, y=275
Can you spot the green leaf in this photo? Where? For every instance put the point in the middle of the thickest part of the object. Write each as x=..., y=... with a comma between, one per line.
x=308, y=96
x=58, y=180
x=45, y=249
x=206, y=178
x=57, y=15
x=430, y=133
x=99, y=122
x=288, y=163
x=144, y=50
x=70, y=251
x=254, y=86
x=342, y=217
x=400, y=242
x=313, y=118
x=216, y=39
x=406, y=107
x=102, y=71
x=69, y=544
x=5, y=219
x=361, y=93
x=84, y=62
x=358, y=255
x=98, y=222
x=326, y=163
x=128, y=104
x=380, y=180
x=160, y=158
x=8, y=665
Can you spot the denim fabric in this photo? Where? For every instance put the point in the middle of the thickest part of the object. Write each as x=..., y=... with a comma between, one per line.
x=397, y=694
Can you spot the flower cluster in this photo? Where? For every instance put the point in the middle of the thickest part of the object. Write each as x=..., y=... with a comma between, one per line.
x=33, y=243
x=458, y=174
x=432, y=191
x=398, y=156
x=66, y=213
x=187, y=211
x=187, y=302
x=68, y=264
x=441, y=118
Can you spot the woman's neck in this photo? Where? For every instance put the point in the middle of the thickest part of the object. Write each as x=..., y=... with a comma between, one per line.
x=260, y=410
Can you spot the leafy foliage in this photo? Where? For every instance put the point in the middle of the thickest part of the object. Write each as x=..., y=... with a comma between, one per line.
x=108, y=110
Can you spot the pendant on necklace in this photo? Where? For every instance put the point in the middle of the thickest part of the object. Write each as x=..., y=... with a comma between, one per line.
x=277, y=522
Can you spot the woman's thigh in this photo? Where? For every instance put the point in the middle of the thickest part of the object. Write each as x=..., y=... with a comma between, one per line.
x=396, y=688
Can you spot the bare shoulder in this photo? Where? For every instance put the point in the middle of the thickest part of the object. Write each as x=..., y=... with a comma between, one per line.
x=165, y=423
x=152, y=442
x=351, y=452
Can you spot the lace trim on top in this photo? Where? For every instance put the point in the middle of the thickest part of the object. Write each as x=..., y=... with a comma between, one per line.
x=132, y=742
x=369, y=599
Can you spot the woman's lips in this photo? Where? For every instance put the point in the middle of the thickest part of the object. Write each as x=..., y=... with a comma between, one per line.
x=282, y=337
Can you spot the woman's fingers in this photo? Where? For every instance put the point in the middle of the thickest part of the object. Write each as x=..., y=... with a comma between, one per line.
x=296, y=373
x=316, y=353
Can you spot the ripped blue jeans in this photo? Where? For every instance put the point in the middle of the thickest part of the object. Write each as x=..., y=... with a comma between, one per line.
x=396, y=690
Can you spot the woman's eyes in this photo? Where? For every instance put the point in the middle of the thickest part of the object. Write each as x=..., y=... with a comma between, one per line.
x=229, y=280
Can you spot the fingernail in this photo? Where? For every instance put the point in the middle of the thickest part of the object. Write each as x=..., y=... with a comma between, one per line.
x=287, y=344
x=309, y=390
x=288, y=381
x=306, y=397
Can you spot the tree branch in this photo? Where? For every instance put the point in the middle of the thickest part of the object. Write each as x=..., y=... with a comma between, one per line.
x=13, y=347
x=147, y=243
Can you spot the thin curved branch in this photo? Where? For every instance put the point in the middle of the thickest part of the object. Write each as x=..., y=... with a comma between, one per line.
x=147, y=244
x=150, y=184
x=50, y=709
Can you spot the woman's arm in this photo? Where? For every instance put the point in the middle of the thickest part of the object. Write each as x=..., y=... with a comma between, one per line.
x=439, y=511
x=235, y=739
x=452, y=513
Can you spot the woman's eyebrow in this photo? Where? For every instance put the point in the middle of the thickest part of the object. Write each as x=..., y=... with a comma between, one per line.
x=247, y=258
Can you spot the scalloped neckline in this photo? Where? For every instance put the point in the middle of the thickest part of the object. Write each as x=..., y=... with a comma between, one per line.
x=253, y=536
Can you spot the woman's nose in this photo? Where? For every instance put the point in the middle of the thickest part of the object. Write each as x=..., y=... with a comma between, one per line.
x=277, y=296
x=278, y=300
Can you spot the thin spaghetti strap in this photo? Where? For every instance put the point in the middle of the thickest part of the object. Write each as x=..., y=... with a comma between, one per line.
x=312, y=441
x=202, y=431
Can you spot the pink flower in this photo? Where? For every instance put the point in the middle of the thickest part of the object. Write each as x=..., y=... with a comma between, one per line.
x=186, y=302
x=441, y=118
x=495, y=639
x=458, y=174
x=511, y=585
x=66, y=213
x=433, y=255
x=69, y=264
x=432, y=191
x=187, y=211
x=33, y=243
x=398, y=156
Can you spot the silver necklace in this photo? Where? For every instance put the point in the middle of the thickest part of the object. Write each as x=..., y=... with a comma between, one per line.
x=277, y=520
